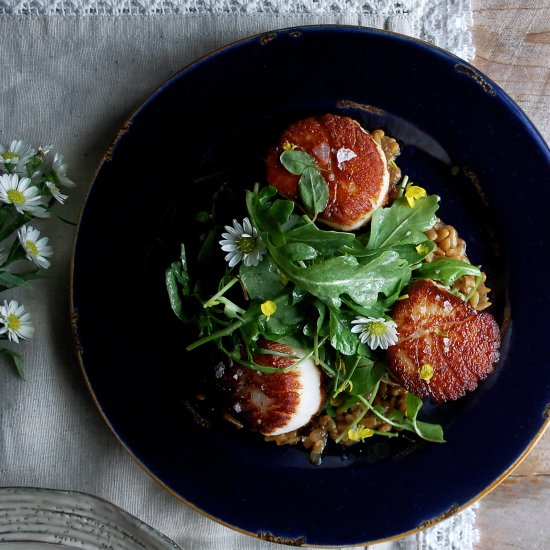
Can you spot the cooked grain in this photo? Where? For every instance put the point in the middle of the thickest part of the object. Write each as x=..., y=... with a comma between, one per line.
x=450, y=245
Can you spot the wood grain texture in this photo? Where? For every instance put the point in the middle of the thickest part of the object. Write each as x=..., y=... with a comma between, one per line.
x=512, y=41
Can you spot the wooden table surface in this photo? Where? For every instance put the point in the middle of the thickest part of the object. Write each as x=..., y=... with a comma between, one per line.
x=512, y=41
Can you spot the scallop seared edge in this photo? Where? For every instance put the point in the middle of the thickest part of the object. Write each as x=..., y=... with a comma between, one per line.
x=276, y=403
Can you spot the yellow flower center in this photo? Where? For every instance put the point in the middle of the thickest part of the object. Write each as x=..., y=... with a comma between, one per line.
x=16, y=197
x=376, y=328
x=14, y=323
x=425, y=372
x=246, y=245
x=9, y=155
x=268, y=308
x=413, y=193
x=31, y=248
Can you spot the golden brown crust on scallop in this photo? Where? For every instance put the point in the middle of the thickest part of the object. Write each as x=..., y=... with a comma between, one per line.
x=439, y=329
x=356, y=186
x=265, y=402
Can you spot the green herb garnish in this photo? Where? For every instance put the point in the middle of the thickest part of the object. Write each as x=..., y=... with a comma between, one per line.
x=312, y=187
x=315, y=290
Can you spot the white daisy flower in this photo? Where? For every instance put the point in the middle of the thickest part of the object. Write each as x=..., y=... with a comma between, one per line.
x=376, y=333
x=60, y=169
x=37, y=249
x=16, y=321
x=242, y=242
x=56, y=193
x=16, y=156
x=22, y=194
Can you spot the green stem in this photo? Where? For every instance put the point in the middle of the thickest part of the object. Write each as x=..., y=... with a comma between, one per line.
x=479, y=278
x=212, y=301
x=218, y=334
x=402, y=185
x=380, y=416
x=345, y=382
x=328, y=369
x=367, y=405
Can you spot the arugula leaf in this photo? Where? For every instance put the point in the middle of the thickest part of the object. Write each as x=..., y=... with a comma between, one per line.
x=401, y=223
x=430, y=432
x=312, y=187
x=364, y=379
x=325, y=242
x=178, y=284
x=341, y=337
x=268, y=217
x=285, y=321
x=262, y=281
x=373, y=310
x=394, y=417
x=313, y=191
x=343, y=275
x=250, y=331
x=321, y=309
x=316, y=327
x=446, y=270
x=299, y=252
x=297, y=161
x=411, y=252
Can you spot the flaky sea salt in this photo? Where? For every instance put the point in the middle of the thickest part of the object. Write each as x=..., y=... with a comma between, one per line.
x=343, y=155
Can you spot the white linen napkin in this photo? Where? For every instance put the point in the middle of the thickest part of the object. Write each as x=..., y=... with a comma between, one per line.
x=69, y=81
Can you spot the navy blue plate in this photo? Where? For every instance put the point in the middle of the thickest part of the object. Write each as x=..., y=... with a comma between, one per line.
x=462, y=137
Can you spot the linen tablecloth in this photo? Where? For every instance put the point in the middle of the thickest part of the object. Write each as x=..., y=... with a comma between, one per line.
x=71, y=81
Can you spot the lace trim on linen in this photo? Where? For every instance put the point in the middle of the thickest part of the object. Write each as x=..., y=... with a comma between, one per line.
x=444, y=23
x=455, y=533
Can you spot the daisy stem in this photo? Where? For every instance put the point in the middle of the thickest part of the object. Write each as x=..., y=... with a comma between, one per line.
x=16, y=253
x=13, y=226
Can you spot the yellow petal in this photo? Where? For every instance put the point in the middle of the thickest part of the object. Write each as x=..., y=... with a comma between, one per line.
x=425, y=372
x=422, y=249
x=413, y=193
x=268, y=308
x=287, y=146
x=357, y=433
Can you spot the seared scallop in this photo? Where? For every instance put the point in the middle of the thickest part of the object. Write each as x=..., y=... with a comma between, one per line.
x=275, y=403
x=350, y=160
x=445, y=347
